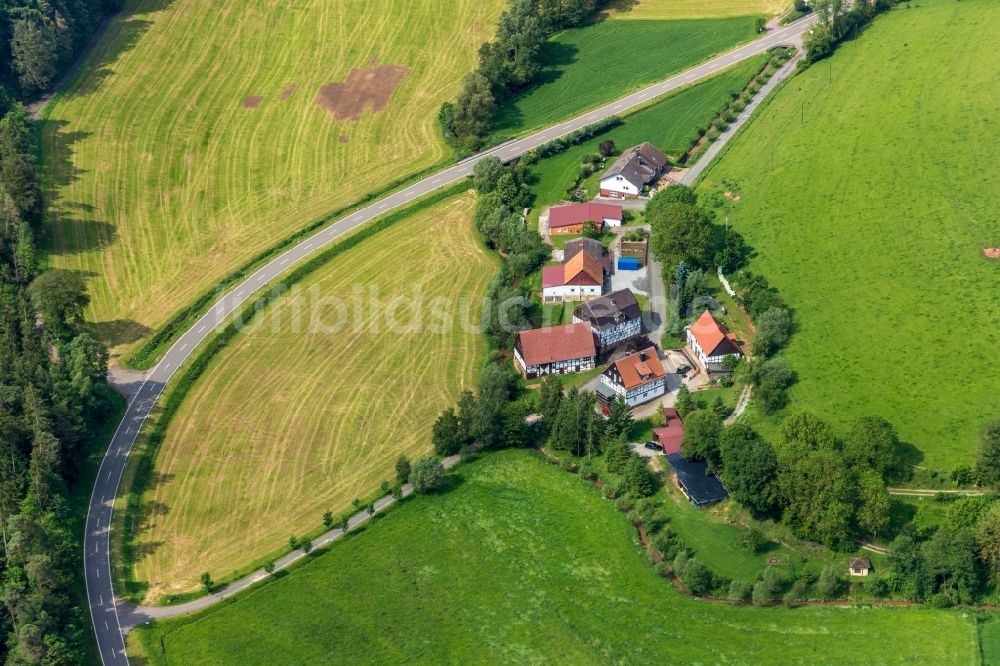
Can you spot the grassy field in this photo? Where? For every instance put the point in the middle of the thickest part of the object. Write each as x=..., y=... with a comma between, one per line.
x=312, y=407
x=675, y=9
x=668, y=124
x=588, y=66
x=989, y=639
x=163, y=175
x=521, y=562
x=872, y=220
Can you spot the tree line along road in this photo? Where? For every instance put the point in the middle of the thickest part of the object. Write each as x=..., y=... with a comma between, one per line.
x=104, y=608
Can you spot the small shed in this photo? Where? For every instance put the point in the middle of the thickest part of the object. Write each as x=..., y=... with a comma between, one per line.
x=859, y=566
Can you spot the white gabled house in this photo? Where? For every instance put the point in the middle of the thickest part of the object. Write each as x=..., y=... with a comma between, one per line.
x=710, y=342
x=634, y=169
x=581, y=278
x=556, y=350
x=637, y=378
x=615, y=318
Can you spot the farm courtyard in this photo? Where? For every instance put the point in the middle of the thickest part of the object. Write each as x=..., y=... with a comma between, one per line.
x=310, y=409
x=869, y=193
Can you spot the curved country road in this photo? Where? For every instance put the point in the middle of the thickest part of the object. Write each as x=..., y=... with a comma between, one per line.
x=111, y=617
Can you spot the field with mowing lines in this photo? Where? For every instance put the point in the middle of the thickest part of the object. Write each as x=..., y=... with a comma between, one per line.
x=872, y=220
x=302, y=414
x=588, y=66
x=193, y=140
x=521, y=562
x=675, y=9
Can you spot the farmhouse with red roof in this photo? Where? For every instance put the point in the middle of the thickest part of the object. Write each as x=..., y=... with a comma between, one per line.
x=555, y=350
x=579, y=279
x=710, y=342
x=637, y=378
x=569, y=219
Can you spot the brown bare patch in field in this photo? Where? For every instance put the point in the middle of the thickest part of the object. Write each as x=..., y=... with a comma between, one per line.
x=364, y=87
x=343, y=138
x=288, y=91
x=991, y=252
x=252, y=101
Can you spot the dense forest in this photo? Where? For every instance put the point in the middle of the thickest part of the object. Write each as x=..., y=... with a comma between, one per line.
x=53, y=396
x=40, y=38
x=53, y=389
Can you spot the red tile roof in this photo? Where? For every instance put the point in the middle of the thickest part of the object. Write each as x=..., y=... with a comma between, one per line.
x=582, y=269
x=672, y=434
x=634, y=367
x=552, y=276
x=567, y=216
x=709, y=334
x=541, y=346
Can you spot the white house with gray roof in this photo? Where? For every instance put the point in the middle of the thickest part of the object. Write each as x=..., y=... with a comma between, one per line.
x=636, y=167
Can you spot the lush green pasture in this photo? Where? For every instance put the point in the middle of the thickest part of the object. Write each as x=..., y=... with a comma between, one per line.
x=989, y=639
x=669, y=124
x=675, y=9
x=310, y=408
x=588, y=66
x=522, y=562
x=162, y=176
x=872, y=220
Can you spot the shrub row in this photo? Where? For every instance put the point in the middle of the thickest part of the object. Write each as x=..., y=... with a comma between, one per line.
x=562, y=144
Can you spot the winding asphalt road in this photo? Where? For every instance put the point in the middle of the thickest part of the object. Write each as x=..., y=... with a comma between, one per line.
x=111, y=617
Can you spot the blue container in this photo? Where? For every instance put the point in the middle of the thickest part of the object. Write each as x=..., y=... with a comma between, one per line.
x=628, y=264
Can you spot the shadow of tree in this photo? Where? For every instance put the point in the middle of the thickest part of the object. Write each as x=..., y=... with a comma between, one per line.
x=121, y=34
x=120, y=331
x=615, y=7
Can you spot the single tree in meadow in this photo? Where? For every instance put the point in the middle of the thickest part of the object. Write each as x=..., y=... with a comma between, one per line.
x=402, y=469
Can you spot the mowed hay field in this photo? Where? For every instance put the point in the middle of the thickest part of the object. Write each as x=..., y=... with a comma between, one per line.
x=192, y=141
x=301, y=415
x=872, y=222
x=522, y=562
x=667, y=9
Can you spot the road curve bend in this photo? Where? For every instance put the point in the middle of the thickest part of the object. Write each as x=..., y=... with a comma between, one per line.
x=105, y=609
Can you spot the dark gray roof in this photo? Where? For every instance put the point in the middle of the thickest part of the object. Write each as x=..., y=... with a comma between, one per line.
x=608, y=311
x=639, y=165
x=700, y=484
x=574, y=247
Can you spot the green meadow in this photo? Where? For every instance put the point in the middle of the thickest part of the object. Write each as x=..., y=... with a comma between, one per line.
x=519, y=561
x=591, y=65
x=868, y=188
x=669, y=124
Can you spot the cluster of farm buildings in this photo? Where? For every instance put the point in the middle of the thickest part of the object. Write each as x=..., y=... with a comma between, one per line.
x=607, y=328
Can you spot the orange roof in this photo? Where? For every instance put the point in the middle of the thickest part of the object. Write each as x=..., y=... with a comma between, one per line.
x=583, y=269
x=709, y=333
x=573, y=214
x=639, y=368
x=541, y=346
